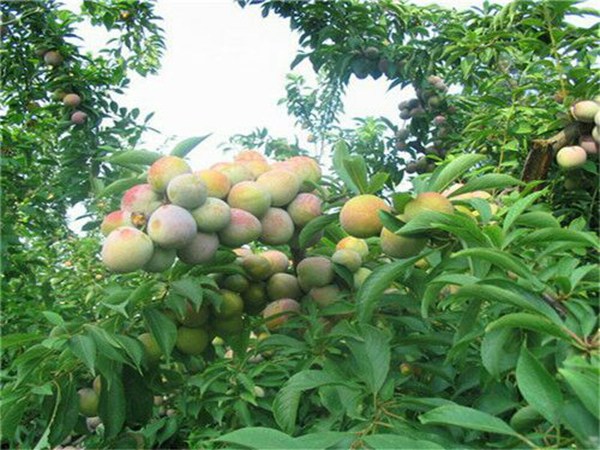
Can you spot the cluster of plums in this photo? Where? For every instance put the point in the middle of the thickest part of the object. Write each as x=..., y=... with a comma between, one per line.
x=573, y=156
x=183, y=214
x=71, y=100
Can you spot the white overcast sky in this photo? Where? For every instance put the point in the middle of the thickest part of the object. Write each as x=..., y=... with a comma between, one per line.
x=224, y=71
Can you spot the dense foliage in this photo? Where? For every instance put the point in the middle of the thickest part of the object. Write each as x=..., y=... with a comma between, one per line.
x=470, y=321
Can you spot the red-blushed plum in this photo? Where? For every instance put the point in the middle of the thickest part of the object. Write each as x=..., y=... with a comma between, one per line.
x=217, y=183
x=304, y=208
x=360, y=246
x=250, y=196
x=243, y=228
x=257, y=267
x=141, y=199
x=314, y=271
x=427, y=201
x=171, y=226
x=279, y=260
x=212, y=216
x=279, y=312
x=126, y=249
x=282, y=184
x=201, y=249
x=277, y=227
x=359, y=216
x=114, y=220
x=164, y=170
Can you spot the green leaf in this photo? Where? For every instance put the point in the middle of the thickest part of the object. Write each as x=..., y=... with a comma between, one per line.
x=259, y=438
x=464, y=417
x=377, y=182
x=162, y=329
x=586, y=387
x=371, y=357
x=487, y=181
x=120, y=186
x=84, y=348
x=321, y=440
x=53, y=318
x=139, y=400
x=538, y=387
x=395, y=441
x=17, y=339
x=112, y=409
x=530, y=322
x=313, y=227
x=546, y=235
x=496, y=355
x=497, y=257
x=65, y=417
x=519, y=207
x=190, y=289
x=141, y=157
x=187, y=145
x=537, y=219
x=357, y=171
x=372, y=289
x=341, y=153
x=446, y=174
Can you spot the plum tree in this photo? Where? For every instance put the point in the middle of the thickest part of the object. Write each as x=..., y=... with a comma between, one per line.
x=359, y=216
x=126, y=249
x=162, y=171
x=171, y=226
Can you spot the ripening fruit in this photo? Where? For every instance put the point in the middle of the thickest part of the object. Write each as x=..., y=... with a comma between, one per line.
x=596, y=134
x=589, y=145
x=151, y=349
x=307, y=169
x=359, y=216
x=249, y=155
x=257, y=267
x=217, y=183
x=234, y=171
x=236, y=283
x=141, y=199
x=88, y=402
x=227, y=327
x=164, y=170
x=71, y=100
x=171, y=226
x=360, y=276
x=279, y=312
x=585, y=111
x=212, y=216
x=250, y=196
x=256, y=167
x=201, y=249
x=126, y=249
x=162, y=260
x=283, y=285
x=194, y=318
x=191, y=341
x=314, y=271
x=427, y=201
x=571, y=157
x=347, y=258
x=79, y=117
x=279, y=261
x=277, y=227
x=53, y=58
x=255, y=297
x=597, y=119
x=187, y=190
x=351, y=243
x=283, y=185
x=324, y=296
x=115, y=220
x=304, y=208
x=231, y=305
x=243, y=228
x=400, y=246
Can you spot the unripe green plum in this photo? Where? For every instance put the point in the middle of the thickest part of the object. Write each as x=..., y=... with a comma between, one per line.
x=114, y=220
x=359, y=216
x=141, y=199
x=279, y=260
x=201, y=249
x=281, y=184
x=571, y=157
x=277, y=227
x=279, y=312
x=228, y=327
x=427, y=201
x=400, y=246
x=152, y=351
x=314, y=271
x=304, y=208
x=172, y=226
x=250, y=196
x=257, y=267
x=162, y=260
x=360, y=246
x=194, y=318
x=53, y=58
x=236, y=283
x=71, y=100
x=231, y=305
x=283, y=285
x=324, y=296
x=187, y=190
x=360, y=276
x=126, y=249
x=347, y=258
x=585, y=111
x=191, y=341
x=255, y=297
x=235, y=172
x=212, y=216
x=243, y=228
x=217, y=183
x=162, y=171
x=88, y=402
